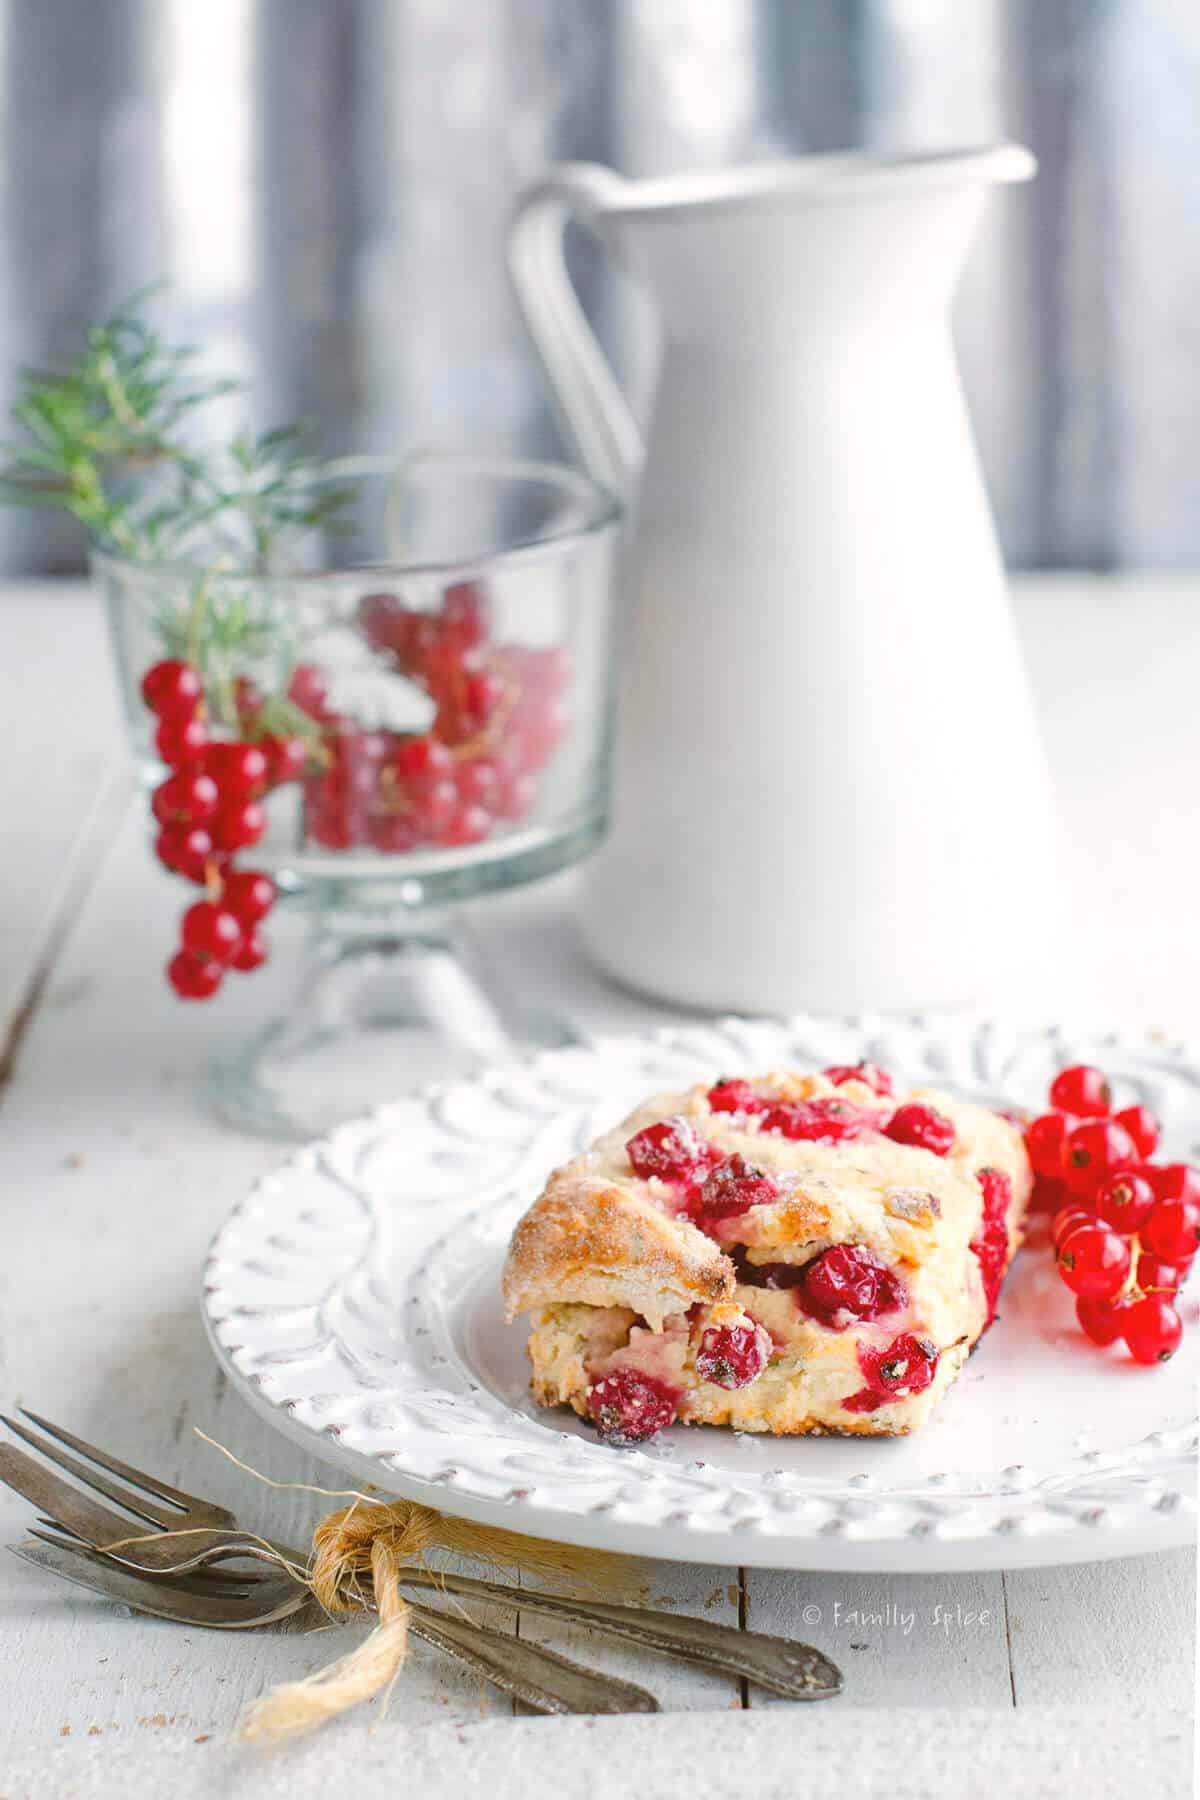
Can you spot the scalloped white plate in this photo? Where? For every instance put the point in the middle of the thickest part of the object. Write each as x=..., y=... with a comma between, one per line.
x=353, y=1297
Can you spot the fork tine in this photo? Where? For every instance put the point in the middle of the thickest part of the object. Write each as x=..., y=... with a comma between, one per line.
x=200, y=1581
x=214, y=1572
x=133, y=1502
x=66, y=1505
x=153, y=1595
x=152, y=1485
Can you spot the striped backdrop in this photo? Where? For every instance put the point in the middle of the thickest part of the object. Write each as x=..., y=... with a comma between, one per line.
x=325, y=184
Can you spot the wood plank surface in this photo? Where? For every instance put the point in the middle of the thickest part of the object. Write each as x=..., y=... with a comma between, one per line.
x=114, y=1178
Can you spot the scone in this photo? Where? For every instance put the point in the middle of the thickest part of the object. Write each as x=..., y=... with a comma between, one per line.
x=791, y=1253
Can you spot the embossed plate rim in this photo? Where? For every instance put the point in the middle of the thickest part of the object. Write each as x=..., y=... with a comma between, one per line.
x=651, y=1502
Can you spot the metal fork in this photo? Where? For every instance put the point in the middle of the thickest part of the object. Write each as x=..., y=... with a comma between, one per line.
x=210, y=1528
x=794, y=1670
x=541, y=1678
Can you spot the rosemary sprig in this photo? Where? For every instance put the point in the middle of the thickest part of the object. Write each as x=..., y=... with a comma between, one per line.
x=108, y=439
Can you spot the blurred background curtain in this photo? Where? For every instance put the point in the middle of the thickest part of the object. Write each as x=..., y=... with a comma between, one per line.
x=325, y=185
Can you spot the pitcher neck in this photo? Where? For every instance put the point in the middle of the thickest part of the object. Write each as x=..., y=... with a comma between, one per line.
x=767, y=271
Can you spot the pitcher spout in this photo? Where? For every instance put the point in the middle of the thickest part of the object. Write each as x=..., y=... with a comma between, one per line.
x=815, y=243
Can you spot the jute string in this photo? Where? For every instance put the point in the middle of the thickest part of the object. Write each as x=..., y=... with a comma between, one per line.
x=357, y=1565
x=379, y=1540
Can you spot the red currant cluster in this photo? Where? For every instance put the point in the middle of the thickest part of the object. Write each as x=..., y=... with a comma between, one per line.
x=1125, y=1229
x=208, y=809
x=835, y=1121
x=498, y=719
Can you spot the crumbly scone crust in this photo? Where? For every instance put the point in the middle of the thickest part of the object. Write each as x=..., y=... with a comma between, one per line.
x=602, y=1241
x=601, y=1238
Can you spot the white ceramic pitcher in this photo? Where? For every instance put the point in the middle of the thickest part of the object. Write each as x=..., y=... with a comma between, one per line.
x=830, y=791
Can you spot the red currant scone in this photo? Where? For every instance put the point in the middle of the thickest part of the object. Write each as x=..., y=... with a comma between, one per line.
x=790, y=1253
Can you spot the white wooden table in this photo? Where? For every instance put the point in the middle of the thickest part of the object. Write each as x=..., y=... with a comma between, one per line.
x=1050, y=1681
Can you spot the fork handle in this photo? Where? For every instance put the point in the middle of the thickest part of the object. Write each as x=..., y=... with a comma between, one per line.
x=781, y=1665
x=542, y=1678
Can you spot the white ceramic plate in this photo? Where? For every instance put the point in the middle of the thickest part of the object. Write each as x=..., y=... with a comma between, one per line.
x=353, y=1297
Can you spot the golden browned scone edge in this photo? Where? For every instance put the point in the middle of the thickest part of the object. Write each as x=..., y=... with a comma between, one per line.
x=598, y=1245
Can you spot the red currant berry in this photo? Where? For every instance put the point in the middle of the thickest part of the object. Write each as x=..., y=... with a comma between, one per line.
x=997, y=1194
x=464, y=614
x=921, y=1126
x=869, y=1073
x=383, y=620
x=628, y=1407
x=483, y=696
x=466, y=825
x=239, y=770
x=185, y=799
x=251, y=952
x=238, y=826
x=1048, y=1196
x=287, y=758
x=1153, y=1329
x=1045, y=1139
x=1067, y=1219
x=451, y=725
x=829, y=1121
x=670, y=1151
x=1094, y=1260
x=417, y=646
x=182, y=742
x=361, y=749
x=1125, y=1201
x=907, y=1366
x=393, y=833
x=1172, y=1230
x=732, y=1356
x=1082, y=1090
x=332, y=829
x=990, y=1242
x=1142, y=1127
x=847, y=1282
x=731, y=1096
x=186, y=850
x=1156, y=1274
x=249, y=895
x=353, y=781
x=194, y=977
x=433, y=805
x=1177, y=1181
x=172, y=689
x=422, y=759
x=1101, y=1320
x=308, y=691
x=479, y=782
x=990, y=1247
x=731, y=1189
x=211, y=930
x=1094, y=1150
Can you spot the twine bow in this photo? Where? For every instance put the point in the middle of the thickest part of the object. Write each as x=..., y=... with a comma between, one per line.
x=378, y=1540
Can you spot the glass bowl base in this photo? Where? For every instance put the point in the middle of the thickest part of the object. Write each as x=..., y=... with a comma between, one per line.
x=376, y=1016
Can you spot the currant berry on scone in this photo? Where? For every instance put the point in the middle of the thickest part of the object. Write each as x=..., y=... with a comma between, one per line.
x=786, y=1253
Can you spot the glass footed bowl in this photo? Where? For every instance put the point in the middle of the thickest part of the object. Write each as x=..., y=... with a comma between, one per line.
x=430, y=689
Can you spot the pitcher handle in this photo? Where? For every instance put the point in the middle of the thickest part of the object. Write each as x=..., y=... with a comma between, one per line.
x=590, y=406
